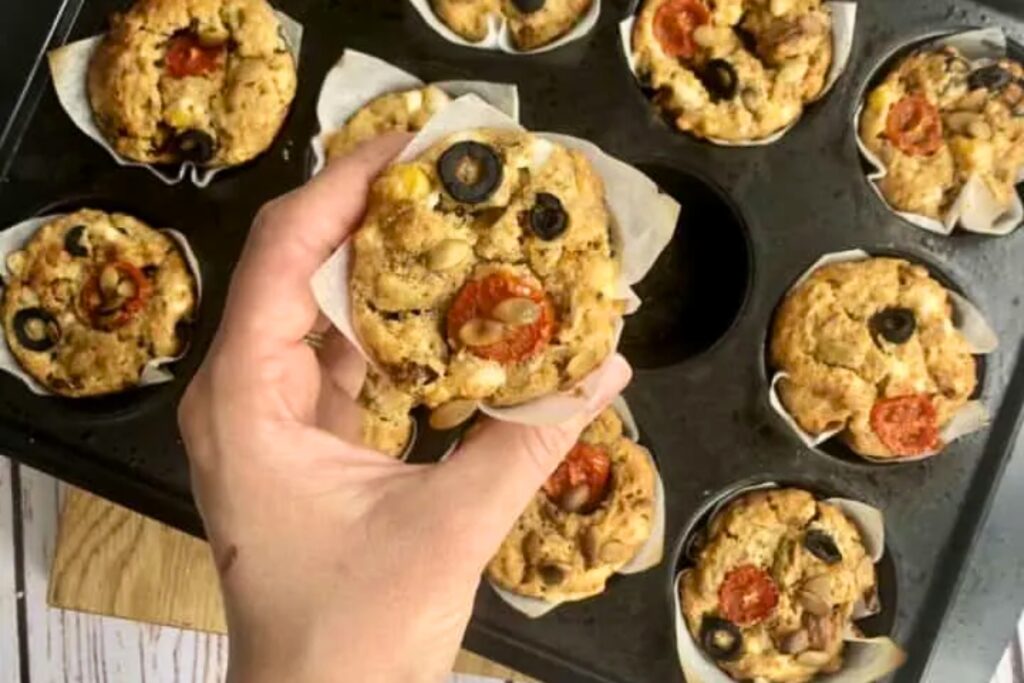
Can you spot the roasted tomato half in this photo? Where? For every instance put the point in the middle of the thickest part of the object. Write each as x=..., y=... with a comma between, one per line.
x=914, y=126
x=748, y=595
x=478, y=306
x=186, y=56
x=674, y=23
x=907, y=425
x=114, y=295
x=586, y=466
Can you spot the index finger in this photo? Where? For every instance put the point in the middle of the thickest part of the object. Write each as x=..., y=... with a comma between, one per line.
x=270, y=302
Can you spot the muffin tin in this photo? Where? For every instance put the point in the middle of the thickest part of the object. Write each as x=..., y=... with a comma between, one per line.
x=753, y=220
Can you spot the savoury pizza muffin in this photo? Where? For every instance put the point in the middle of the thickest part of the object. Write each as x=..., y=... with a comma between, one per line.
x=406, y=111
x=386, y=423
x=775, y=586
x=589, y=519
x=92, y=298
x=734, y=70
x=531, y=23
x=206, y=81
x=484, y=271
x=869, y=347
x=936, y=121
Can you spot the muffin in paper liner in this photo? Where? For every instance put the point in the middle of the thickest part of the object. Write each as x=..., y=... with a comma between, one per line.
x=864, y=659
x=643, y=217
x=844, y=16
x=647, y=556
x=357, y=79
x=499, y=36
x=155, y=371
x=69, y=68
x=975, y=208
x=971, y=417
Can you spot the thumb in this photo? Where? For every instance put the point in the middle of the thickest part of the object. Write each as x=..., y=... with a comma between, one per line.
x=501, y=465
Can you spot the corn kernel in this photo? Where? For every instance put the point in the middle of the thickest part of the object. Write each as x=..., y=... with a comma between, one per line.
x=178, y=118
x=410, y=182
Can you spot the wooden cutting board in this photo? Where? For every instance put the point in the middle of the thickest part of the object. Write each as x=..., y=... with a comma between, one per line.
x=114, y=562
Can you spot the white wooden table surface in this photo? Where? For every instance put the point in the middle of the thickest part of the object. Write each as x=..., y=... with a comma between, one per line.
x=58, y=646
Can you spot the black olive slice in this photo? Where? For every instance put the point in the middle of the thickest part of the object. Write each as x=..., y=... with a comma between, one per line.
x=73, y=241
x=895, y=325
x=991, y=77
x=470, y=171
x=528, y=6
x=195, y=145
x=548, y=219
x=720, y=638
x=720, y=79
x=822, y=546
x=36, y=329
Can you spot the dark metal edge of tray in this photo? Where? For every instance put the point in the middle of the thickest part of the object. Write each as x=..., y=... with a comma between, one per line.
x=998, y=451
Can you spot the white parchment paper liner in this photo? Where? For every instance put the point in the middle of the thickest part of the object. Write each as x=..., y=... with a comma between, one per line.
x=357, y=78
x=499, y=37
x=972, y=417
x=647, y=556
x=644, y=217
x=844, y=20
x=69, y=67
x=975, y=208
x=14, y=238
x=864, y=659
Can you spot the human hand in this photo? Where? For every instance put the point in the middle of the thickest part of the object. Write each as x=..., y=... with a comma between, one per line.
x=339, y=563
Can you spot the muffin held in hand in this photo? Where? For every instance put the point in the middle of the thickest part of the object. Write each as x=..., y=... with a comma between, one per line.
x=870, y=348
x=206, y=81
x=531, y=23
x=92, y=298
x=775, y=587
x=735, y=70
x=936, y=121
x=590, y=518
x=406, y=111
x=484, y=271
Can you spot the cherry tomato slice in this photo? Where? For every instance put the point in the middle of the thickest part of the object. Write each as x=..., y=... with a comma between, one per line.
x=914, y=126
x=187, y=57
x=907, y=425
x=674, y=23
x=748, y=595
x=479, y=297
x=104, y=314
x=585, y=464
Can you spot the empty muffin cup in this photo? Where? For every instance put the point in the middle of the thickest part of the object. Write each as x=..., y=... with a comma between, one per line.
x=709, y=252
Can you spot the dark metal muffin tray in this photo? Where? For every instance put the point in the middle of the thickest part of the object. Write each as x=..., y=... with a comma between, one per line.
x=753, y=219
